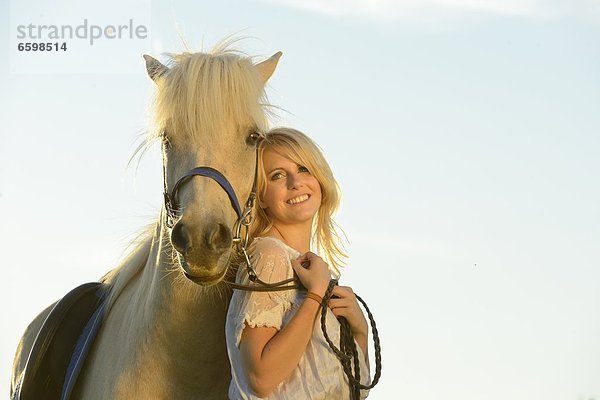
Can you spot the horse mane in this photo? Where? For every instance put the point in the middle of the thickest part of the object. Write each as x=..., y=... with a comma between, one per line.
x=132, y=264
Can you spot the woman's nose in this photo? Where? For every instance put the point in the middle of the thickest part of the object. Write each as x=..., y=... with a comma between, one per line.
x=295, y=181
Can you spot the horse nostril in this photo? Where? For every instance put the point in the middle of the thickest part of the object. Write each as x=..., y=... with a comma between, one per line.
x=180, y=238
x=219, y=239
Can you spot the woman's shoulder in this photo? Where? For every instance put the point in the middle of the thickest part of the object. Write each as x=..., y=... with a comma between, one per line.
x=271, y=258
x=272, y=246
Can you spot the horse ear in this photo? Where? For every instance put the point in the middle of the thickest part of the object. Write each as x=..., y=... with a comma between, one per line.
x=266, y=68
x=154, y=68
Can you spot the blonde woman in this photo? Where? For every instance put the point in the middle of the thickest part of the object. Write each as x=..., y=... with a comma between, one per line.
x=274, y=339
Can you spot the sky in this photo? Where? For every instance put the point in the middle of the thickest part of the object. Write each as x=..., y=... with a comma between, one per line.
x=464, y=133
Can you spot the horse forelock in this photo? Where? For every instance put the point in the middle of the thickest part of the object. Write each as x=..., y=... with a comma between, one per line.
x=204, y=95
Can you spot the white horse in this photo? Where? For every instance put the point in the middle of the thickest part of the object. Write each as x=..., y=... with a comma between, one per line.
x=163, y=335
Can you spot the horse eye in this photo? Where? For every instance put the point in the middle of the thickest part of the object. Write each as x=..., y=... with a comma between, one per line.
x=253, y=138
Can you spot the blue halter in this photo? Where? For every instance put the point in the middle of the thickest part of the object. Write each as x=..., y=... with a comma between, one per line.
x=172, y=205
x=209, y=172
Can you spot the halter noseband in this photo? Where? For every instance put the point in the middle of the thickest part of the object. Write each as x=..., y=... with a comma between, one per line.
x=172, y=206
x=244, y=218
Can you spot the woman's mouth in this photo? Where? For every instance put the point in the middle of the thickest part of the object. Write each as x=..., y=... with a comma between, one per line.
x=298, y=199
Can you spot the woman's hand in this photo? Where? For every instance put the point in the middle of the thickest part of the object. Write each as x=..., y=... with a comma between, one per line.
x=316, y=276
x=343, y=303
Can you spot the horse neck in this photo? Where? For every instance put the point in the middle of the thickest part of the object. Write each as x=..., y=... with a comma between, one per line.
x=163, y=337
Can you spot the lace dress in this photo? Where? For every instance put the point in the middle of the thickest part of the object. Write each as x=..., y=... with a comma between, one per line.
x=319, y=374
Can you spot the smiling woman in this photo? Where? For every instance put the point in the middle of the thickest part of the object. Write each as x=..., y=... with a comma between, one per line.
x=276, y=349
x=299, y=152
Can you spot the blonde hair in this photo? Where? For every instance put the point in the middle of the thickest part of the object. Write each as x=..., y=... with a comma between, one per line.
x=299, y=148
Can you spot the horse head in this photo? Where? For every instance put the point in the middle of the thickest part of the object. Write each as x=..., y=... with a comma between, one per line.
x=210, y=112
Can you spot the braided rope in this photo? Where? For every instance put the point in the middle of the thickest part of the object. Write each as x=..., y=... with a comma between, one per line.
x=347, y=353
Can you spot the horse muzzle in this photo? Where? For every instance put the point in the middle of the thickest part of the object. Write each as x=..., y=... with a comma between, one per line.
x=205, y=256
x=206, y=259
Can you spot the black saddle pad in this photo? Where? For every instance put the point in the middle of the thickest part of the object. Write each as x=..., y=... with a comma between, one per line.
x=51, y=355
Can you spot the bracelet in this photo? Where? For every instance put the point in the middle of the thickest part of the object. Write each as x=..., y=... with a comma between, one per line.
x=315, y=297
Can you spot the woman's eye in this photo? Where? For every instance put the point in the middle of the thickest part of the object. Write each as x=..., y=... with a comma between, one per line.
x=276, y=176
x=303, y=169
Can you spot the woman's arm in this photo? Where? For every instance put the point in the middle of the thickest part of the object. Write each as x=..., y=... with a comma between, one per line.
x=269, y=356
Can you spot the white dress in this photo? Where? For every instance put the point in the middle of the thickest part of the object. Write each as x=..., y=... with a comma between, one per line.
x=319, y=374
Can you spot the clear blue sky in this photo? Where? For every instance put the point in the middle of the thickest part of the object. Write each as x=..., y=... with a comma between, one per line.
x=465, y=136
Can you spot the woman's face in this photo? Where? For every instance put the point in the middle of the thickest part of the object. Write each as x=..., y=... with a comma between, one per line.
x=293, y=194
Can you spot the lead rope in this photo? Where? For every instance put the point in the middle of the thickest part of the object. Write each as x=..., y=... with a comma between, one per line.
x=347, y=353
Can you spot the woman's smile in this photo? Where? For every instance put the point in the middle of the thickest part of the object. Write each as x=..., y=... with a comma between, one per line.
x=298, y=199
